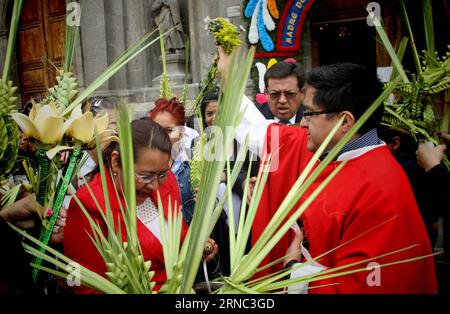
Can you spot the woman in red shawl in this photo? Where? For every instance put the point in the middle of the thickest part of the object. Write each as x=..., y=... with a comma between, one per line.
x=152, y=160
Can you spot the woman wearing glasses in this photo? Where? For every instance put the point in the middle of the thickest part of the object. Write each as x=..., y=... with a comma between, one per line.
x=152, y=149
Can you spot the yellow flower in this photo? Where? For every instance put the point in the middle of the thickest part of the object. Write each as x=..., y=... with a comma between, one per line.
x=82, y=126
x=44, y=123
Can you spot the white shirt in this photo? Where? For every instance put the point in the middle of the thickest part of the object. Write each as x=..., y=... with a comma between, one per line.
x=148, y=214
x=182, y=149
x=254, y=125
x=291, y=120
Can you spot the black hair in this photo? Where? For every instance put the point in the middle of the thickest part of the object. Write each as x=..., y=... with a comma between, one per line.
x=146, y=134
x=209, y=97
x=285, y=69
x=347, y=87
x=408, y=146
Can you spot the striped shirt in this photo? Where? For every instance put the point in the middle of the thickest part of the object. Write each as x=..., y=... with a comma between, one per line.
x=367, y=139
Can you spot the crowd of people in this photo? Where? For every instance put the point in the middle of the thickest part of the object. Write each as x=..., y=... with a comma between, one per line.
x=387, y=197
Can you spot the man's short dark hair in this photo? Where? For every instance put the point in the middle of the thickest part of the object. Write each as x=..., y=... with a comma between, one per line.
x=285, y=69
x=347, y=87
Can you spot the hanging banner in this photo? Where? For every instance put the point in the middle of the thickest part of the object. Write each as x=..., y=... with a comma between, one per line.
x=291, y=24
x=290, y=29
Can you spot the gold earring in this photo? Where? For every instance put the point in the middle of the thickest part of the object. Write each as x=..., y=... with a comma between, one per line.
x=115, y=174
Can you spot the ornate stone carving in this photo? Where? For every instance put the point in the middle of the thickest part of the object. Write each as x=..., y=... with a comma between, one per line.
x=167, y=14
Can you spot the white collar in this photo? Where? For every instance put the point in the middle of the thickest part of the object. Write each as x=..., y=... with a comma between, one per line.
x=291, y=120
x=88, y=166
x=358, y=152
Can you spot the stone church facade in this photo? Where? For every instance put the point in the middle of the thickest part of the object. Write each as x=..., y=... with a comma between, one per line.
x=108, y=27
x=334, y=31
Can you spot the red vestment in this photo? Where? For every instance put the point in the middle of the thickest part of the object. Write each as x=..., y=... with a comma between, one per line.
x=79, y=247
x=370, y=192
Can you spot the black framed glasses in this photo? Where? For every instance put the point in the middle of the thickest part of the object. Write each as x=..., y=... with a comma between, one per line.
x=161, y=176
x=308, y=114
x=275, y=95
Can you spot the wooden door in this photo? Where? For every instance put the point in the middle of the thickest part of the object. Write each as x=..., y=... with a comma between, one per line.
x=40, y=46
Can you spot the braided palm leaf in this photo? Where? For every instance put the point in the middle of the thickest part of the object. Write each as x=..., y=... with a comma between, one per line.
x=9, y=132
x=65, y=91
x=7, y=98
x=141, y=267
x=9, y=141
x=115, y=268
x=393, y=122
x=415, y=106
x=9, y=145
x=403, y=91
x=416, y=110
x=436, y=74
x=442, y=85
x=196, y=164
x=125, y=264
x=172, y=284
x=419, y=113
x=3, y=138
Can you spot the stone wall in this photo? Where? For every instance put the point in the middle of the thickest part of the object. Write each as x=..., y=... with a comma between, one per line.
x=108, y=27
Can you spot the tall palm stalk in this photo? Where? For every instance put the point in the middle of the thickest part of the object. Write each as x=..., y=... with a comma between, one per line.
x=165, y=91
x=71, y=38
x=228, y=117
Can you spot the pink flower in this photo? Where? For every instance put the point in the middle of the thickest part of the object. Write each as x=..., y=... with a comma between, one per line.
x=261, y=98
x=291, y=60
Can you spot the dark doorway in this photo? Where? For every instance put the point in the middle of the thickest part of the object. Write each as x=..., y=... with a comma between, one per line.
x=346, y=41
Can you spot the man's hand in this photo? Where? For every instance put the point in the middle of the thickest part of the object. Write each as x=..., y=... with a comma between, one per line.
x=23, y=212
x=429, y=156
x=223, y=64
x=58, y=230
x=210, y=251
x=251, y=187
x=294, y=252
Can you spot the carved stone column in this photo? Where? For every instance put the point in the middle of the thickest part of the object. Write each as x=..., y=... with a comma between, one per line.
x=135, y=27
x=115, y=40
x=93, y=39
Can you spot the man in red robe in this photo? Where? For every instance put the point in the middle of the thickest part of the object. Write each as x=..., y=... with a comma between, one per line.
x=366, y=211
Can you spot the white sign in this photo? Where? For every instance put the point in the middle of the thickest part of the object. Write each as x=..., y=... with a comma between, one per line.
x=234, y=11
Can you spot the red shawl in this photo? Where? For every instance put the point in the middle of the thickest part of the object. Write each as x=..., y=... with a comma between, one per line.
x=79, y=247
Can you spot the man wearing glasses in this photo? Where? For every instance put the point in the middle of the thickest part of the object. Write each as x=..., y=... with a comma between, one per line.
x=284, y=90
x=365, y=213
